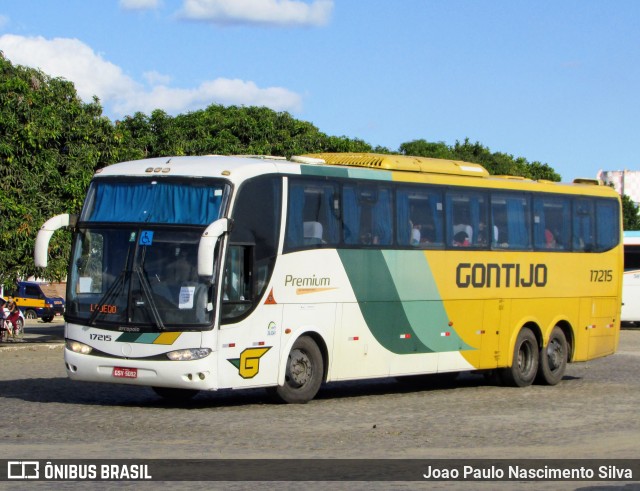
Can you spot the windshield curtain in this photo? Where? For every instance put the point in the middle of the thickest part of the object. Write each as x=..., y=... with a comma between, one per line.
x=157, y=201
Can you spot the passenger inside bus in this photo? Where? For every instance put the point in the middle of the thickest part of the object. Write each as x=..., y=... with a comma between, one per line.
x=462, y=235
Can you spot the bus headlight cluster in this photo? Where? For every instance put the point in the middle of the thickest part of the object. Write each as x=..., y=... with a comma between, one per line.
x=188, y=354
x=78, y=347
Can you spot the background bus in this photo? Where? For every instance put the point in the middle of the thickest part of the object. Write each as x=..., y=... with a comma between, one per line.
x=204, y=273
x=631, y=283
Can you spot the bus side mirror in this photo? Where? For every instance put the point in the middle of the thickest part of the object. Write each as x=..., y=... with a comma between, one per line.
x=207, y=245
x=41, y=251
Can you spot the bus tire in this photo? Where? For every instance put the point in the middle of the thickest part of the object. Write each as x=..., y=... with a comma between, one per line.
x=47, y=318
x=524, y=366
x=304, y=372
x=553, y=359
x=175, y=395
x=30, y=314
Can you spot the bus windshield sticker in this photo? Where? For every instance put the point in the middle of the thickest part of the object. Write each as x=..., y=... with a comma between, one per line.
x=186, y=297
x=146, y=238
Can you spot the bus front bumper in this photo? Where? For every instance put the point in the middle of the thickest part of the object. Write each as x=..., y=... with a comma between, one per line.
x=194, y=374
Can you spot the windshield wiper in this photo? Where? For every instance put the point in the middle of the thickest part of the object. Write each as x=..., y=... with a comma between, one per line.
x=148, y=295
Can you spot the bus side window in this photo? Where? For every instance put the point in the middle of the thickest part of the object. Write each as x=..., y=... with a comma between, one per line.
x=510, y=212
x=607, y=212
x=466, y=217
x=236, y=287
x=551, y=222
x=583, y=238
x=419, y=217
x=312, y=215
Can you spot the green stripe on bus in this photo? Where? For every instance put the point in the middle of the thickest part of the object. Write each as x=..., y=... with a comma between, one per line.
x=379, y=301
x=128, y=337
x=350, y=172
x=399, y=300
x=421, y=300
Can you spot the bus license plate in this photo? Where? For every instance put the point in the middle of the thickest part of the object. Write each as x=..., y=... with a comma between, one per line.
x=120, y=372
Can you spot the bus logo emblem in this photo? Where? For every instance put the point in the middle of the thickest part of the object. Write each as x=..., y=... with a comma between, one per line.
x=248, y=364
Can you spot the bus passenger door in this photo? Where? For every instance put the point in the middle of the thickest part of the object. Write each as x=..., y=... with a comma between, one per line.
x=251, y=328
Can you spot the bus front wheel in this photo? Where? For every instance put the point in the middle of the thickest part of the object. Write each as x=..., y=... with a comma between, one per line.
x=304, y=372
x=524, y=366
x=553, y=358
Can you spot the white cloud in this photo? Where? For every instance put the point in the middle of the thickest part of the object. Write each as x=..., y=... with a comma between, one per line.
x=266, y=12
x=92, y=75
x=139, y=4
x=70, y=59
x=156, y=78
x=221, y=90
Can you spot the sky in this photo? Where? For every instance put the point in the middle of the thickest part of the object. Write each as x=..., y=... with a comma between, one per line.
x=554, y=81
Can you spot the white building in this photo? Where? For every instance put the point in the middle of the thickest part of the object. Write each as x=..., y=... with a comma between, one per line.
x=624, y=181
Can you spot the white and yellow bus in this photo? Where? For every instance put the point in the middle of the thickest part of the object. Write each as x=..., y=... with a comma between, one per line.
x=631, y=281
x=218, y=272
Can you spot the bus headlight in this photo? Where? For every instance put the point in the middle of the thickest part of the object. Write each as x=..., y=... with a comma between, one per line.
x=188, y=354
x=78, y=347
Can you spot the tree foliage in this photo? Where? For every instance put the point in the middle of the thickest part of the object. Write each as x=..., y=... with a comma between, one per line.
x=229, y=131
x=496, y=163
x=50, y=144
x=630, y=217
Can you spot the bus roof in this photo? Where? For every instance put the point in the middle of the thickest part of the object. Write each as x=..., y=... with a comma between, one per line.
x=349, y=165
x=403, y=163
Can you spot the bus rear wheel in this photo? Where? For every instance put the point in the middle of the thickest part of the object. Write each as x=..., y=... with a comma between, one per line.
x=304, y=373
x=30, y=314
x=524, y=366
x=553, y=358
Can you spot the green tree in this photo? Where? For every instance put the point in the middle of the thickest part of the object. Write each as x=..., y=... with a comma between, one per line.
x=496, y=163
x=630, y=218
x=50, y=145
x=227, y=131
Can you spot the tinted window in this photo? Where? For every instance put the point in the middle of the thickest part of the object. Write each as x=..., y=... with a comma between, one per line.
x=419, y=217
x=256, y=217
x=607, y=224
x=551, y=222
x=466, y=218
x=631, y=257
x=511, y=216
x=312, y=214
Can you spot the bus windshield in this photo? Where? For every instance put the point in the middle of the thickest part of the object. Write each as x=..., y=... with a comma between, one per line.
x=135, y=254
x=144, y=277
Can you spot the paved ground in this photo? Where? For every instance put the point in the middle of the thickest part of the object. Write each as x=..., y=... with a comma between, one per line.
x=592, y=413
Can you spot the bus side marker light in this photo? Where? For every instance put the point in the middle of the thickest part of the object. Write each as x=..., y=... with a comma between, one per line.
x=480, y=332
x=405, y=336
x=287, y=331
x=354, y=338
x=258, y=343
x=229, y=345
x=445, y=334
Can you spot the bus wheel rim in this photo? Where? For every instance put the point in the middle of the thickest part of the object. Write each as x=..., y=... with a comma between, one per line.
x=300, y=368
